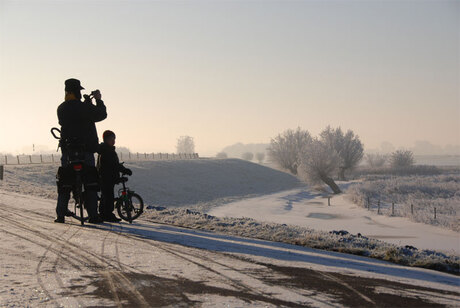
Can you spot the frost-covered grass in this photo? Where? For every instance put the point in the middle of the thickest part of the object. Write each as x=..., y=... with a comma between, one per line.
x=425, y=193
x=340, y=241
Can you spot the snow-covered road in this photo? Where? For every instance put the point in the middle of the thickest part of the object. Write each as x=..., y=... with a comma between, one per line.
x=145, y=264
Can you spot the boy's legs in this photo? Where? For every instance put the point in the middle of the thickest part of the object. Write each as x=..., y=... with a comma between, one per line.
x=107, y=200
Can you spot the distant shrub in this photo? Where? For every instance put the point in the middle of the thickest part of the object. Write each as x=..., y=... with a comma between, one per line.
x=376, y=160
x=260, y=156
x=247, y=156
x=185, y=144
x=402, y=159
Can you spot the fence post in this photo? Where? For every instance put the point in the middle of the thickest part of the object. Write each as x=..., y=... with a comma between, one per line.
x=378, y=208
x=129, y=155
x=328, y=200
x=137, y=155
x=18, y=159
x=392, y=209
x=368, y=203
x=30, y=158
x=6, y=159
x=52, y=158
x=434, y=213
x=1, y=172
x=41, y=158
x=412, y=209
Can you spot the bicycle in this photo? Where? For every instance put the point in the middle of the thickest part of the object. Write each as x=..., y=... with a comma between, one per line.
x=75, y=176
x=129, y=205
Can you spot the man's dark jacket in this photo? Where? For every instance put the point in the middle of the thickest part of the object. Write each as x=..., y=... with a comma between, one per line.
x=77, y=121
x=108, y=164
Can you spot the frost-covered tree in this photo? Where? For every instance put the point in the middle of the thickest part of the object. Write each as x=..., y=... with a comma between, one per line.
x=286, y=148
x=319, y=163
x=247, y=156
x=347, y=145
x=376, y=160
x=260, y=156
x=221, y=155
x=185, y=144
x=402, y=159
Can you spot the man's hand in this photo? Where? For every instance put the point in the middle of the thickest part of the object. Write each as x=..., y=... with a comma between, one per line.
x=97, y=94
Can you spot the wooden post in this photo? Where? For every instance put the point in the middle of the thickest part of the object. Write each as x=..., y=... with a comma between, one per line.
x=368, y=203
x=52, y=158
x=6, y=159
x=392, y=209
x=434, y=213
x=378, y=208
x=30, y=158
x=1, y=172
x=18, y=159
x=328, y=200
x=129, y=155
x=412, y=209
x=41, y=158
x=137, y=155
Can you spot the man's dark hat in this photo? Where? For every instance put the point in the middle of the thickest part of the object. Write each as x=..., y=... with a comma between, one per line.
x=73, y=84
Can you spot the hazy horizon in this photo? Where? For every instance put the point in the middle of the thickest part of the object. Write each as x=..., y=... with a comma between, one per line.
x=228, y=71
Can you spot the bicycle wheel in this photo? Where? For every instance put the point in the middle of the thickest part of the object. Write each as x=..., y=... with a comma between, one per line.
x=130, y=208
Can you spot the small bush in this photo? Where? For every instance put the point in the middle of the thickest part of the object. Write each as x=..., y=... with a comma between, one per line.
x=402, y=159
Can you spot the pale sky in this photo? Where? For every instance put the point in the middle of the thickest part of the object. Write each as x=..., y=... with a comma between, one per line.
x=233, y=71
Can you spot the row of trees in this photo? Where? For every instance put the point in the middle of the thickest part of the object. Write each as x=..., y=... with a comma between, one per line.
x=397, y=159
x=317, y=159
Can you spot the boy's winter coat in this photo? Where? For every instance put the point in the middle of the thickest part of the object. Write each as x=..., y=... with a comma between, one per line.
x=108, y=164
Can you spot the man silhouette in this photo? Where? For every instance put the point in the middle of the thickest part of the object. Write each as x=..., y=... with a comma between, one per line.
x=77, y=119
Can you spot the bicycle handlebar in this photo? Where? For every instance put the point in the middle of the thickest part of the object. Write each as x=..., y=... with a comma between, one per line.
x=54, y=134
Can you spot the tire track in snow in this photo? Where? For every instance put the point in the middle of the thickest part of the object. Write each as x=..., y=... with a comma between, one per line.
x=85, y=255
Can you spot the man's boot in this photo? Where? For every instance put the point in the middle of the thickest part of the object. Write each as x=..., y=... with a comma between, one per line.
x=60, y=219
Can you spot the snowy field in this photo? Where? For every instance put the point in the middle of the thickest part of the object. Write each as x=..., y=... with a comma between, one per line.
x=169, y=183
x=304, y=208
x=424, y=192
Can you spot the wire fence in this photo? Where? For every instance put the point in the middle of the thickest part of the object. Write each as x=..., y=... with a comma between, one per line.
x=396, y=209
x=123, y=156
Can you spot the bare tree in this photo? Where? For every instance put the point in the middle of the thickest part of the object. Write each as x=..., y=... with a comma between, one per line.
x=402, y=158
x=285, y=149
x=260, y=156
x=247, y=156
x=318, y=163
x=221, y=155
x=376, y=160
x=348, y=147
x=185, y=144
